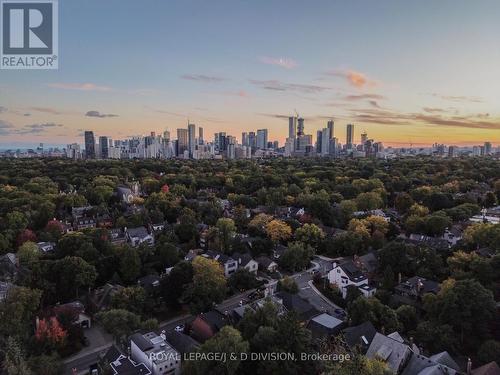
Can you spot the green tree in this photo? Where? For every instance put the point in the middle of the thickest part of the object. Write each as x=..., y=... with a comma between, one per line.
x=209, y=284
x=310, y=234
x=371, y=309
x=489, y=351
x=19, y=306
x=289, y=285
x=369, y=201
x=470, y=320
x=119, y=322
x=175, y=284
x=296, y=257
x=132, y=298
x=129, y=263
x=403, y=202
x=407, y=315
x=228, y=341
x=15, y=362
x=225, y=233
x=72, y=274
x=28, y=253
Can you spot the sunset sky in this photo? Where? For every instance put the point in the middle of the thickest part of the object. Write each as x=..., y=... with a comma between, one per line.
x=405, y=71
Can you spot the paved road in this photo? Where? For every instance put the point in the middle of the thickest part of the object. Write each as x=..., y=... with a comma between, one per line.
x=323, y=266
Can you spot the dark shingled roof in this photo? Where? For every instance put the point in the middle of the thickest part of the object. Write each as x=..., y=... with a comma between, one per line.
x=292, y=302
x=487, y=369
x=353, y=335
x=215, y=319
x=181, y=342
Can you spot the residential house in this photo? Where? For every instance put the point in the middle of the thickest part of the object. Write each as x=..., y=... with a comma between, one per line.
x=126, y=195
x=81, y=318
x=158, y=227
x=117, y=236
x=279, y=251
x=104, y=220
x=421, y=239
x=149, y=282
x=229, y=264
x=238, y=313
x=191, y=254
x=206, y=325
x=405, y=359
x=5, y=286
x=392, y=351
x=245, y=261
x=410, y=292
x=156, y=353
x=83, y=217
x=490, y=368
x=46, y=247
x=347, y=274
x=139, y=235
x=367, y=264
x=359, y=337
x=9, y=267
x=123, y=365
x=324, y=325
x=85, y=222
x=485, y=252
x=181, y=342
x=266, y=264
x=100, y=298
x=292, y=302
x=203, y=233
x=377, y=212
x=453, y=235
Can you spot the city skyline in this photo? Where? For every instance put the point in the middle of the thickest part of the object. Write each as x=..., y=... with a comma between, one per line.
x=431, y=81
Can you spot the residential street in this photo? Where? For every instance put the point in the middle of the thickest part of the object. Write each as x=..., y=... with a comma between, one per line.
x=100, y=341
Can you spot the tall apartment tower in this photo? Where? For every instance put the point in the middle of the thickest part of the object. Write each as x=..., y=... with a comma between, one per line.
x=349, y=136
x=103, y=147
x=182, y=141
x=89, y=145
x=191, y=138
x=262, y=139
x=292, y=127
x=330, y=126
x=300, y=126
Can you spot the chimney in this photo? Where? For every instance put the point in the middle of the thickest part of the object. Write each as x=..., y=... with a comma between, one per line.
x=469, y=366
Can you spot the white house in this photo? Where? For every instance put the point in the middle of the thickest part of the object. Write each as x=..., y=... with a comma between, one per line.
x=139, y=235
x=245, y=261
x=347, y=274
x=156, y=353
x=229, y=264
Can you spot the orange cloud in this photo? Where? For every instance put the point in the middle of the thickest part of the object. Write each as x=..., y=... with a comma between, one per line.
x=354, y=78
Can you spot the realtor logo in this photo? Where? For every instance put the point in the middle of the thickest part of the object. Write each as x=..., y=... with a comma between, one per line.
x=29, y=34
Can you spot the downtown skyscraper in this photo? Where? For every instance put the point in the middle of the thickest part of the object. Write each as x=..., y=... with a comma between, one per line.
x=89, y=145
x=349, y=142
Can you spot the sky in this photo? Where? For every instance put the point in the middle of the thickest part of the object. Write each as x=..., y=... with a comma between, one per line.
x=405, y=72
